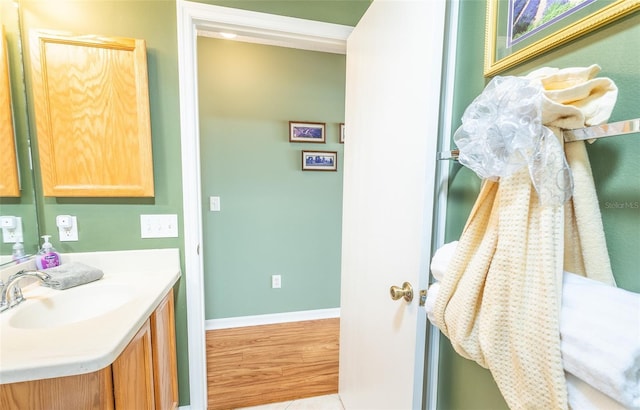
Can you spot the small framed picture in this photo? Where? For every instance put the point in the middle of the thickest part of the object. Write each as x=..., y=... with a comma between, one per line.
x=306, y=132
x=319, y=161
x=341, y=133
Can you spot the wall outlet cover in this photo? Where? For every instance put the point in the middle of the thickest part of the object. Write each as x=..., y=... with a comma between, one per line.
x=11, y=229
x=67, y=228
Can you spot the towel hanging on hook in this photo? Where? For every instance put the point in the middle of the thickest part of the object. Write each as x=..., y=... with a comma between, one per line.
x=499, y=302
x=593, y=317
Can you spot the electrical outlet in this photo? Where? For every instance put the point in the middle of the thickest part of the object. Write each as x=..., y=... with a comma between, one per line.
x=67, y=228
x=159, y=226
x=11, y=229
x=276, y=281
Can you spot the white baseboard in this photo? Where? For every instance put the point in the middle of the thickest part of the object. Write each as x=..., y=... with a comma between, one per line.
x=244, y=321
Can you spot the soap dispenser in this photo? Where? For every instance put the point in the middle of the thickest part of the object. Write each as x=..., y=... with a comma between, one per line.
x=47, y=256
x=17, y=253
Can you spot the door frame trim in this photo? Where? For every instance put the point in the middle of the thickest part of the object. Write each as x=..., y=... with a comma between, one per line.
x=198, y=19
x=441, y=187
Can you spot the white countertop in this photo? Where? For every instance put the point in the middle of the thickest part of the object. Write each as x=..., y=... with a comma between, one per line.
x=93, y=344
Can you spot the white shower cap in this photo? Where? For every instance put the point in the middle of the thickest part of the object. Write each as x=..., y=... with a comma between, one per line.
x=502, y=132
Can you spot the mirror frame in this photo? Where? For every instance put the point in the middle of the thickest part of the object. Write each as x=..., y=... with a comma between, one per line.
x=24, y=206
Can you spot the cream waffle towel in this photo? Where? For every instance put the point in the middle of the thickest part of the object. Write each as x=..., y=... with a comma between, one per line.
x=594, y=317
x=574, y=98
x=499, y=302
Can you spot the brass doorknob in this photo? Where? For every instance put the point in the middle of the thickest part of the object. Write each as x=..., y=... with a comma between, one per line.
x=406, y=292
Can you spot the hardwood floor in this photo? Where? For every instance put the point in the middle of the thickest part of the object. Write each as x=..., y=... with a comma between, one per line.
x=256, y=365
x=328, y=402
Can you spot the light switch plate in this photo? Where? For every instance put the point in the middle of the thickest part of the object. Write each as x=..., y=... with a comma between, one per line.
x=159, y=226
x=214, y=203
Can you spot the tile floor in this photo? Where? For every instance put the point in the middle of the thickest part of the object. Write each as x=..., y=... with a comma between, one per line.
x=329, y=402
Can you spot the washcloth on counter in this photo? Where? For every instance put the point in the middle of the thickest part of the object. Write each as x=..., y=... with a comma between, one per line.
x=500, y=301
x=600, y=338
x=72, y=274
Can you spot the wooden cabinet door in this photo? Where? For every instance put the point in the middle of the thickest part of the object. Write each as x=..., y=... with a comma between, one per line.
x=9, y=182
x=91, y=101
x=133, y=373
x=164, y=355
x=91, y=391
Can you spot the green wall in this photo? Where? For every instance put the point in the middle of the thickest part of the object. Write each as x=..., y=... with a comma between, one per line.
x=113, y=223
x=462, y=383
x=109, y=224
x=275, y=218
x=347, y=12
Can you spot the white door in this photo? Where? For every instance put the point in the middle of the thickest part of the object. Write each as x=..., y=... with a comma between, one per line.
x=394, y=60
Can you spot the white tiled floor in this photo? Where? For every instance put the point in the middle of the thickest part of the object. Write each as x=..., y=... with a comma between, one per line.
x=330, y=402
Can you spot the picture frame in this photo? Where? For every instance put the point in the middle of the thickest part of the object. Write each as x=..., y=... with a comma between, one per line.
x=300, y=131
x=341, y=133
x=502, y=52
x=319, y=160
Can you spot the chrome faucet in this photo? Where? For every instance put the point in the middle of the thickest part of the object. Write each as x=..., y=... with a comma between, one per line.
x=11, y=294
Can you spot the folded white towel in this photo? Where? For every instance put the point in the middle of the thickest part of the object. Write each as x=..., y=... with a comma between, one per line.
x=429, y=304
x=600, y=339
x=583, y=396
x=441, y=259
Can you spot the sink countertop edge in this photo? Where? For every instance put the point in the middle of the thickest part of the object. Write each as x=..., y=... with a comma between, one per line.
x=89, y=351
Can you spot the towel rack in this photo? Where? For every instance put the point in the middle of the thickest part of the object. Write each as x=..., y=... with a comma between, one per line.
x=579, y=134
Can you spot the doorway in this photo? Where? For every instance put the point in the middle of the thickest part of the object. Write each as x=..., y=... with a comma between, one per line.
x=274, y=220
x=196, y=19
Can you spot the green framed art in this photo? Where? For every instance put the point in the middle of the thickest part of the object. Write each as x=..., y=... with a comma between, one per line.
x=503, y=52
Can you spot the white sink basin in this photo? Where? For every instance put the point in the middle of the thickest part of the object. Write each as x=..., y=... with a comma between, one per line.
x=84, y=329
x=70, y=306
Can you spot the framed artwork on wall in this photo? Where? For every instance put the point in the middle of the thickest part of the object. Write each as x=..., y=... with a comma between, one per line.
x=319, y=161
x=307, y=131
x=519, y=30
x=341, y=133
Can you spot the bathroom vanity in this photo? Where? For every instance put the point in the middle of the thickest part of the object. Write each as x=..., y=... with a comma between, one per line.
x=108, y=344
